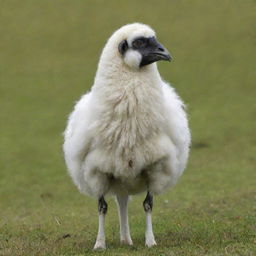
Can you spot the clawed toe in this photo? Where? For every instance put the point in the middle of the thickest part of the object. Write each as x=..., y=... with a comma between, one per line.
x=99, y=245
x=151, y=243
x=127, y=241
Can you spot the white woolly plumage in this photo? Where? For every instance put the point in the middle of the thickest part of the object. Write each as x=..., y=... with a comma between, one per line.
x=130, y=132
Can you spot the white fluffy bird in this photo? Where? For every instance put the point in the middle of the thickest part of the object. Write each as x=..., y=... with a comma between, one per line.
x=130, y=133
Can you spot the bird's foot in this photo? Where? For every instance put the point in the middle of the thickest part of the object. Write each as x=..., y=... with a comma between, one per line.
x=126, y=241
x=150, y=242
x=99, y=245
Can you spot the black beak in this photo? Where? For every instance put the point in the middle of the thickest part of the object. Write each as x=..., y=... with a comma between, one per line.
x=154, y=52
x=162, y=52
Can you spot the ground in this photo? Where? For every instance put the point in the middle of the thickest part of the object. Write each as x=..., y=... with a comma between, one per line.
x=48, y=58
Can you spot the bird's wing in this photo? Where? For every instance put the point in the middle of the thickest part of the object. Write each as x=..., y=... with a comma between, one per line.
x=176, y=122
x=77, y=137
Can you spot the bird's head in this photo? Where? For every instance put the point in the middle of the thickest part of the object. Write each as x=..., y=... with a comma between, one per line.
x=141, y=48
x=136, y=46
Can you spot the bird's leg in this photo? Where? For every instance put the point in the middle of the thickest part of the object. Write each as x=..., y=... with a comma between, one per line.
x=148, y=206
x=125, y=236
x=102, y=208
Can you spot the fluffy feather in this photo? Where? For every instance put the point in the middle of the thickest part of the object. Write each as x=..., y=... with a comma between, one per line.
x=130, y=132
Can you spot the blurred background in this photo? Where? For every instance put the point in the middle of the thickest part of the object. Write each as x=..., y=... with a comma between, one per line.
x=49, y=52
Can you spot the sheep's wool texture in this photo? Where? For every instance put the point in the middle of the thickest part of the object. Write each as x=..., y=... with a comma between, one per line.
x=130, y=132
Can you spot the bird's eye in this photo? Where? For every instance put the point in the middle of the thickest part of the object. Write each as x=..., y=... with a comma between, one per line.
x=139, y=43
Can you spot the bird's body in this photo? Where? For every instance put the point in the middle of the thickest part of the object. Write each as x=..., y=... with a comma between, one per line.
x=130, y=133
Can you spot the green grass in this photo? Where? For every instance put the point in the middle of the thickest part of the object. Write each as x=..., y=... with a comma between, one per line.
x=48, y=58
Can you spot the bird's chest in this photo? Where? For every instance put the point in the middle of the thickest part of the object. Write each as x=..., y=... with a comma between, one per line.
x=129, y=121
x=129, y=134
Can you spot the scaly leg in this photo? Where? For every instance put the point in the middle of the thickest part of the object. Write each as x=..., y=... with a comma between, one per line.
x=125, y=236
x=148, y=206
x=102, y=208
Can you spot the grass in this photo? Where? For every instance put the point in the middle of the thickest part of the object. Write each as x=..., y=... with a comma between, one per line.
x=48, y=58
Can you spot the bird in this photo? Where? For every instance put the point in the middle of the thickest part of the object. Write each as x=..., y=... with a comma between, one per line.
x=129, y=134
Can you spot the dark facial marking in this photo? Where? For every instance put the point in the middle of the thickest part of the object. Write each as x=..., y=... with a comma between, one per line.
x=139, y=43
x=122, y=47
x=150, y=49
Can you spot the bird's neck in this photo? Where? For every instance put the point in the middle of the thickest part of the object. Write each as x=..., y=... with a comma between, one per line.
x=115, y=74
